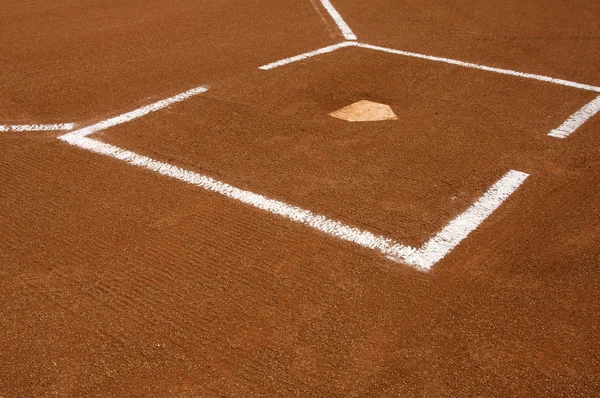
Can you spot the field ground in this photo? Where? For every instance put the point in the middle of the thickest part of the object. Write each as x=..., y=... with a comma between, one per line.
x=118, y=281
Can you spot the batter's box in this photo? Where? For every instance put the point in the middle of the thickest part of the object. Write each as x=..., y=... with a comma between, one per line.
x=427, y=179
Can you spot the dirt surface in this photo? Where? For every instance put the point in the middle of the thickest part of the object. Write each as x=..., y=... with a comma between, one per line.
x=73, y=60
x=117, y=282
x=552, y=37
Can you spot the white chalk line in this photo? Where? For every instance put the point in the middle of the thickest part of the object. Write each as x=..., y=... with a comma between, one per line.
x=483, y=67
x=307, y=55
x=577, y=120
x=129, y=116
x=37, y=127
x=460, y=227
x=342, y=25
x=302, y=216
x=422, y=259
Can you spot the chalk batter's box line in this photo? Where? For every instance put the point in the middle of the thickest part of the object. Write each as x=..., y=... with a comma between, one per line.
x=567, y=128
x=423, y=258
x=17, y=128
x=577, y=120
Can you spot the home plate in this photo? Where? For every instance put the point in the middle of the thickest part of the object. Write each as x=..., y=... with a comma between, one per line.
x=365, y=111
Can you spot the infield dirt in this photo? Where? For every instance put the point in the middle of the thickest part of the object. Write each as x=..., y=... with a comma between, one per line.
x=115, y=281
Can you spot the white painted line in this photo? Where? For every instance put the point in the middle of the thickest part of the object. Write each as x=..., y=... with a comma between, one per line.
x=460, y=227
x=310, y=54
x=484, y=68
x=129, y=116
x=306, y=217
x=342, y=25
x=577, y=119
x=422, y=259
x=38, y=127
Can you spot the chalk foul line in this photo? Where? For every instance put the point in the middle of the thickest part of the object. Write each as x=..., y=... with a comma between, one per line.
x=577, y=120
x=36, y=127
x=423, y=259
x=342, y=25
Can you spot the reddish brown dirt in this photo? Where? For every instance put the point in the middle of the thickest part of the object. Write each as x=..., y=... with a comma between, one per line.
x=117, y=282
x=69, y=60
x=552, y=37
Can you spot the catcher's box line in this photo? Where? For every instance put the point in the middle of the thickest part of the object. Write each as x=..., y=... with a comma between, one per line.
x=422, y=259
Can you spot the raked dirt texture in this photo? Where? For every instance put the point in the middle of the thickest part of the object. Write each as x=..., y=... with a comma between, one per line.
x=121, y=281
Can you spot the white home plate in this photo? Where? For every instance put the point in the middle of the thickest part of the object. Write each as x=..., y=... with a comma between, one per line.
x=365, y=111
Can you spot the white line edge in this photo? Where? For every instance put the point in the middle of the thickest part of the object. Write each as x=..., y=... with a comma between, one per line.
x=342, y=25
x=577, y=120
